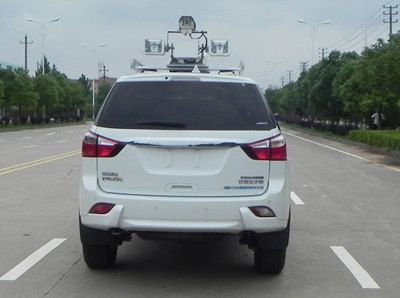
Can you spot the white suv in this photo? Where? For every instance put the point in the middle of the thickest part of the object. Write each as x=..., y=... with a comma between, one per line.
x=185, y=156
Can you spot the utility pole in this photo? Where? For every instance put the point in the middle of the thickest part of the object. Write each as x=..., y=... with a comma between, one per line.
x=390, y=14
x=323, y=52
x=290, y=76
x=366, y=25
x=26, y=50
x=303, y=66
x=104, y=70
x=283, y=81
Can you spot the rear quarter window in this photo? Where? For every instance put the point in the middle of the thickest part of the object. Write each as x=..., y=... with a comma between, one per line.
x=191, y=105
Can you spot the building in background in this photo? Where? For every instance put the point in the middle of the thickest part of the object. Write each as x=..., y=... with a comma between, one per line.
x=6, y=65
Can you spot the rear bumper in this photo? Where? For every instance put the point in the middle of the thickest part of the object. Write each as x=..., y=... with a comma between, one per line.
x=189, y=214
x=247, y=222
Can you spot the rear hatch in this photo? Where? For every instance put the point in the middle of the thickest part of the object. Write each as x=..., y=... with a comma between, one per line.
x=184, y=138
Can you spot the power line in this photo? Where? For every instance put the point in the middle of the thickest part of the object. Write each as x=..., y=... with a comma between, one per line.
x=360, y=30
x=355, y=31
x=376, y=28
x=380, y=34
x=360, y=35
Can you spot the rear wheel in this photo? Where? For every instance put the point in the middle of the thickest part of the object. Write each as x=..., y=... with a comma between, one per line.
x=269, y=261
x=99, y=256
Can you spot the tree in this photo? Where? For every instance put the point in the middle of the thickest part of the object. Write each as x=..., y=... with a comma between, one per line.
x=8, y=77
x=343, y=87
x=376, y=81
x=346, y=86
x=47, y=88
x=1, y=96
x=25, y=97
x=47, y=68
x=101, y=95
x=85, y=83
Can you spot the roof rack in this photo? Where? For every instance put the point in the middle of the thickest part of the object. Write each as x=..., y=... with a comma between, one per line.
x=187, y=26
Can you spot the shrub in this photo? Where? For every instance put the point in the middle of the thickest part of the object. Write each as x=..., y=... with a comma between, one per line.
x=389, y=139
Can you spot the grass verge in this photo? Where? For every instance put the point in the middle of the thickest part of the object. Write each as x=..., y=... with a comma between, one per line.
x=388, y=139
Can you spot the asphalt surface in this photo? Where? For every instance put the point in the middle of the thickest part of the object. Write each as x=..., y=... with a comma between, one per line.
x=351, y=204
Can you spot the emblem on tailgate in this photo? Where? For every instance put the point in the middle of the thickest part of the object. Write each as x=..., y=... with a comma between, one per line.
x=111, y=176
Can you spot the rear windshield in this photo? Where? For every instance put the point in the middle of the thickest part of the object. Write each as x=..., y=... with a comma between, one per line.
x=185, y=105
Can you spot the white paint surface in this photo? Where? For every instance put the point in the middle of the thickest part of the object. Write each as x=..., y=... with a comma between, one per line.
x=30, y=261
x=359, y=273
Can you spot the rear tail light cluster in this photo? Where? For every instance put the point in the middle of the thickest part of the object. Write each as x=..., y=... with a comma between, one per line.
x=97, y=146
x=269, y=149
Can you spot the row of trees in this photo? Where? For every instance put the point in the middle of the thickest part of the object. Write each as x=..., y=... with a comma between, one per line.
x=46, y=96
x=345, y=88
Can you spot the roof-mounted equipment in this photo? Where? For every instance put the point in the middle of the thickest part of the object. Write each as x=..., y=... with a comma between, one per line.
x=187, y=27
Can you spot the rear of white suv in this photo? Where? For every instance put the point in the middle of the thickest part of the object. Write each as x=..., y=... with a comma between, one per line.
x=178, y=156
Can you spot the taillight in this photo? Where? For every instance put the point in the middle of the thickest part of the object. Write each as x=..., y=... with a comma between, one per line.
x=269, y=149
x=101, y=208
x=97, y=146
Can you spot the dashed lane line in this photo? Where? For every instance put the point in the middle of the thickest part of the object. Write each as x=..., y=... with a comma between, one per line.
x=30, y=261
x=359, y=273
x=37, y=162
x=61, y=141
x=51, y=133
x=295, y=198
x=30, y=146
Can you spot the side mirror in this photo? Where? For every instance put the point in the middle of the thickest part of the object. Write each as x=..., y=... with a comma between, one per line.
x=154, y=47
x=219, y=47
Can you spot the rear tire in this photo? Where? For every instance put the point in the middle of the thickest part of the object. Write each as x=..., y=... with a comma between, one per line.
x=269, y=261
x=99, y=256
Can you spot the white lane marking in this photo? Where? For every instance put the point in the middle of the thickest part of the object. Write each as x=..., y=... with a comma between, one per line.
x=51, y=133
x=295, y=198
x=391, y=168
x=30, y=146
x=362, y=276
x=325, y=146
x=26, y=138
x=30, y=261
x=61, y=141
x=341, y=151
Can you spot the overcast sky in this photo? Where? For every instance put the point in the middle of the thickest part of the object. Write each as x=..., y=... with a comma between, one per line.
x=259, y=31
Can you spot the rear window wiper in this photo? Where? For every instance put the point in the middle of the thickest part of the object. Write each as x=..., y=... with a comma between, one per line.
x=162, y=123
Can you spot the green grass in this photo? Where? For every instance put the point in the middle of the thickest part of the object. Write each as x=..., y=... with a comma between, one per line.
x=12, y=127
x=389, y=139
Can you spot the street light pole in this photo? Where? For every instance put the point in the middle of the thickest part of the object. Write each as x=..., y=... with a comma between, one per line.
x=94, y=57
x=314, y=33
x=43, y=32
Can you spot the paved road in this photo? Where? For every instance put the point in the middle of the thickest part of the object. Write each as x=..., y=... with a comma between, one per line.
x=344, y=243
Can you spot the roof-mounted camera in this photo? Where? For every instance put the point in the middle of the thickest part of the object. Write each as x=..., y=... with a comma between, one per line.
x=187, y=25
